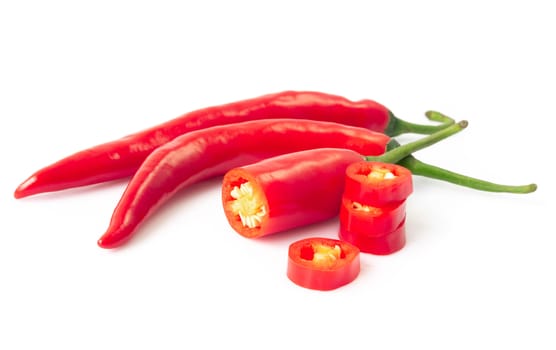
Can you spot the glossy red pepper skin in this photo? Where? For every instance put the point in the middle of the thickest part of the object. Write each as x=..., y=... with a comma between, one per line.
x=122, y=157
x=304, y=271
x=381, y=229
x=385, y=244
x=211, y=152
x=377, y=192
x=296, y=189
x=376, y=222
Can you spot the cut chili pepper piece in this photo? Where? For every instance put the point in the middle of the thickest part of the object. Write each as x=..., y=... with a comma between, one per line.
x=286, y=191
x=377, y=184
x=388, y=243
x=379, y=245
x=322, y=263
x=373, y=221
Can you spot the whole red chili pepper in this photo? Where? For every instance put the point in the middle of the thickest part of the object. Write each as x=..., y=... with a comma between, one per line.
x=299, y=188
x=209, y=152
x=122, y=157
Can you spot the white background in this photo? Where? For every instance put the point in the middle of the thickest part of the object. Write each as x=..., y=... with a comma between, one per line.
x=478, y=268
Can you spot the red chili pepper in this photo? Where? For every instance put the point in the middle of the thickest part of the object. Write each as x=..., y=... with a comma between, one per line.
x=322, y=263
x=372, y=216
x=387, y=243
x=373, y=221
x=377, y=183
x=122, y=157
x=299, y=188
x=213, y=151
x=210, y=152
x=285, y=191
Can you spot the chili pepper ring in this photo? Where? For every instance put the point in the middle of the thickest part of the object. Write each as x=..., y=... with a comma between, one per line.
x=388, y=243
x=374, y=221
x=322, y=263
x=377, y=183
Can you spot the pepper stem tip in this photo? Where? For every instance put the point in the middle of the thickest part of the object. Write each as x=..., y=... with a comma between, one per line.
x=399, y=126
x=439, y=117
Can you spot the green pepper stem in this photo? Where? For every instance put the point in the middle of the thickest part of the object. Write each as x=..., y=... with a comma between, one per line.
x=396, y=154
x=420, y=168
x=398, y=126
x=439, y=117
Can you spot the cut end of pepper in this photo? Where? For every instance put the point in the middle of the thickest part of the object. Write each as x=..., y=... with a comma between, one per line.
x=381, y=173
x=248, y=205
x=244, y=204
x=376, y=184
x=322, y=255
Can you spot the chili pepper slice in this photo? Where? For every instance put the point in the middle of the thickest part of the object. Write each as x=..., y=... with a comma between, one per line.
x=285, y=191
x=373, y=221
x=385, y=244
x=210, y=152
x=322, y=263
x=377, y=184
x=122, y=157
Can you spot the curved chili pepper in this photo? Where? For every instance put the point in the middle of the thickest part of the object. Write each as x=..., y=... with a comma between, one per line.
x=322, y=263
x=210, y=152
x=122, y=157
x=299, y=188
